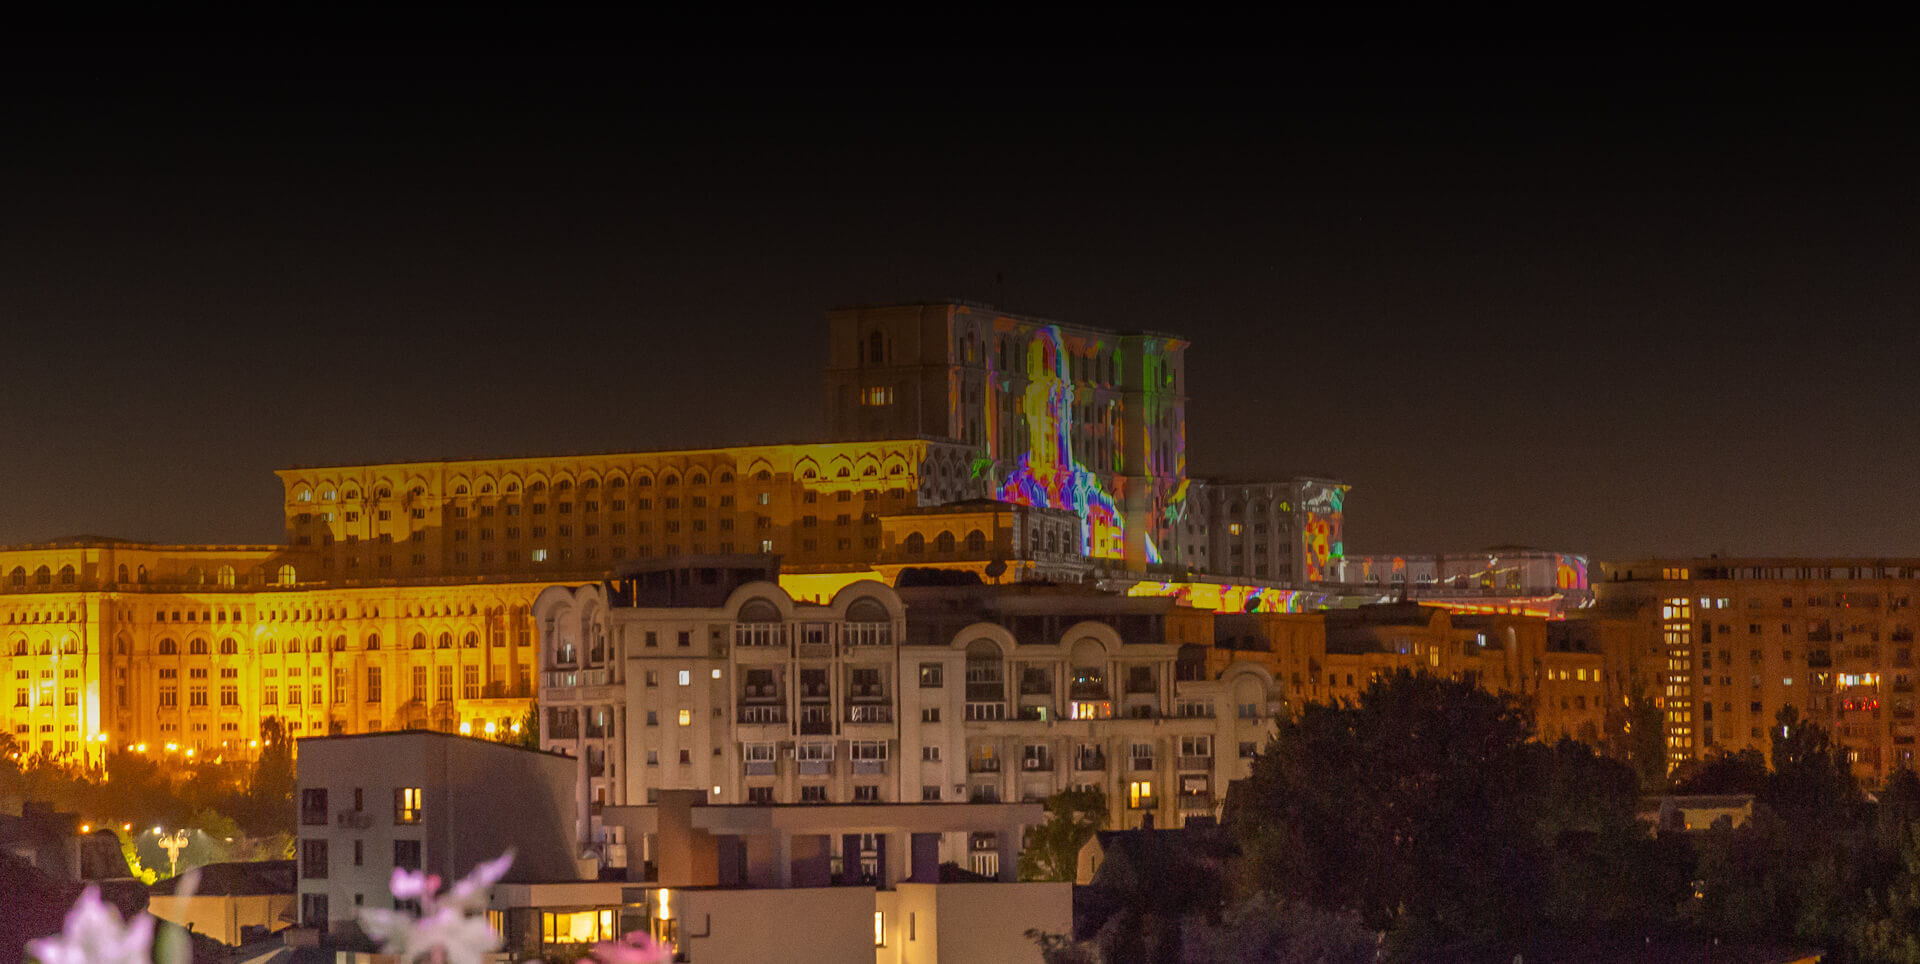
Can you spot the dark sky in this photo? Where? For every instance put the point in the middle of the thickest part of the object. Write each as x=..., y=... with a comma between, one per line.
x=1650, y=303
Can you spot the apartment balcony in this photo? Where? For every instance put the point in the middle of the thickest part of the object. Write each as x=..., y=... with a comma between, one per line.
x=761, y=691
x=1820, y=636
x=814, y=650
x=1090, y=762
x=759, y=768
x=815, y=694
x=878, y=713
x=353, y=819
x=570, y=678
x=502, y=691
x=1899, y=714
x=869, y=767
x=983, y=764
x=1141, y=687
x=814, y=768
x=1037, y=764
x=867, y=634
x=1140, y=764
x=1195, y=763
x=816, y=727
x=1819, y=659
x=868, y=692
x=1144, y=803
x=984, y=794
x=596, y=768
x=984, y=712
x=1195, y=801
x=756, y=635
x=1087, y=691
x=994, y=692
x=1030, y=687
x=762, y=715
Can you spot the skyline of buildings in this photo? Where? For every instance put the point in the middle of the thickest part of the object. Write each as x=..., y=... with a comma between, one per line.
x=1004, y=447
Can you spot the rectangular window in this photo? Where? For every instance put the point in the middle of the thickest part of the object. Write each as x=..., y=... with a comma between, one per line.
x=686, y=717
x=445, y=681
x=373, y=684
x=407, y=804
x=470, y=682
x=406, y=854
x=932, y=675
x=313, y=859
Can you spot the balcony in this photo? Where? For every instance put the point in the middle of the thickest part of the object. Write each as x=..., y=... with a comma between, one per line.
x=1036, y=686
x=1196, y=801
x=1087, y=691
x=816, y=727
x=1037, y=764
x=758, y=768
x=867, y=634
x=869, y=767
x=984, y=712
x=760, y=691
x=596, y=767
x=569, y=678
x=869, y=691
x=1195, y=762
x=812, y=693
x=815, y=768
x=1090, y=762
x=879, y=713
x=1141, y=685
x=983, y=764
x=354, y=819
x=752, y=635
x=1140, y=764
x=763, y=715
x=1144, y=803
x=986, y=692
x=1820, y=636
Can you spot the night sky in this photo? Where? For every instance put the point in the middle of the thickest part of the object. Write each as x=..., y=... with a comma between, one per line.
x=1654, y=303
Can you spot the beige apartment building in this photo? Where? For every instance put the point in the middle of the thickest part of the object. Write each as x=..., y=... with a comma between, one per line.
x=1742, y=638
x=705, y=675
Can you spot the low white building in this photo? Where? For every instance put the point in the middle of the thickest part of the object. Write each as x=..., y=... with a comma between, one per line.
x=428, y=801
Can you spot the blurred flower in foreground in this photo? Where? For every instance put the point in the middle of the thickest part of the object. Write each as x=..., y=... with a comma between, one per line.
x=638, y=947
x=95, y=934
x=446, y=930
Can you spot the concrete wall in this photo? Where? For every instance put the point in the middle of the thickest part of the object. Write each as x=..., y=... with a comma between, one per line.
x=222, y=917
x=826, y=925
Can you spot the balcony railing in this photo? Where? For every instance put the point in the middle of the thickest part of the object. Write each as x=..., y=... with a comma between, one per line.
x=870, y=691
x=1090, y=761
x=758, y=768
x=983, y=765
x=880, y=713
x=760, y=691
x=1196, y=801
x=869, y=767
x=1195, y=762
x=1144, y=803
x=1087, y=691
x=1036, y=687
x=569, y=678
x=814, y=693
x=762, y=715
x=354, y=819
x=814, y=768
x=1037, y=764
x=816, y=727
x=1140, y=763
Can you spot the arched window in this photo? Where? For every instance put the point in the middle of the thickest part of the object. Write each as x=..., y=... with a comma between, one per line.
x=617, y=483
x=169, y=648
x=123, y=572
x=470, y=641
x=197, y=647
x=446, y=641
x=19, y=576
x=844, y=473
x=194, y=576
x=339, y=644
x=419, y=640
x=141, y=578
x=46, y=648
x=373, y=641
x=943, y=542
x=287, y=575
x=670, y=479
x=228, y=647
x=699, y=478
x=726, y=476
x=20, y=647
x=512, y=487
x=916, y=543
x=763, y=476
x=69, y=647
x=563, y=485
x=459, y=490
x=384, y=492
x=536, y=486
x=976, y=541
x=269, y=646
x=66, y=575
x=590, y=484
x=42, y=576
x=224, y=576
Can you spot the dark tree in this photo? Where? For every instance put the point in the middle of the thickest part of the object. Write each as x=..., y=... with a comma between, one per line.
x=1053, y=848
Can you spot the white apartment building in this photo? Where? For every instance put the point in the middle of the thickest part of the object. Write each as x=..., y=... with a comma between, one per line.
x=704, y=675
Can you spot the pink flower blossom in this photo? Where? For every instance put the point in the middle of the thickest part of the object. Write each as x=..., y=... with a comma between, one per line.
x=446, y=929
x=95, y=934
x=637, y=947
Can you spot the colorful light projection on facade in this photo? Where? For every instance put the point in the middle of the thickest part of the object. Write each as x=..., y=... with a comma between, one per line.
x=1227, y=598
x=1047, y=475
x=1570, y=571
x=1322, y=530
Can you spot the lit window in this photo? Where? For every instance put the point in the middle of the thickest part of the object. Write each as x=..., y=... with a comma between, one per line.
x=877, y=395
x=1140, y=794
x=716, y=674
x=578, y=927
x=686, y=717
x=539, y=555
x=879, y=929
x=686, y=677
x=406, y=805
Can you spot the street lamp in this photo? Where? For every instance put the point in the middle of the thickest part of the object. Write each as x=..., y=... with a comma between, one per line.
x=173, y=843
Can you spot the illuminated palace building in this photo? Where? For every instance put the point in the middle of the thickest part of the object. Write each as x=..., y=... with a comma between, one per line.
x=1742, y=638
x=962, y=438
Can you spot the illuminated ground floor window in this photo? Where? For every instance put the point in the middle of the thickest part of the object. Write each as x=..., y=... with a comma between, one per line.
x=578, y=927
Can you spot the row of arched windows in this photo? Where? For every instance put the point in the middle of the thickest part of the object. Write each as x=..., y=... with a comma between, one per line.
x=41, y=576
x=915, y=543
x=67, y=648
x=195, y=647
